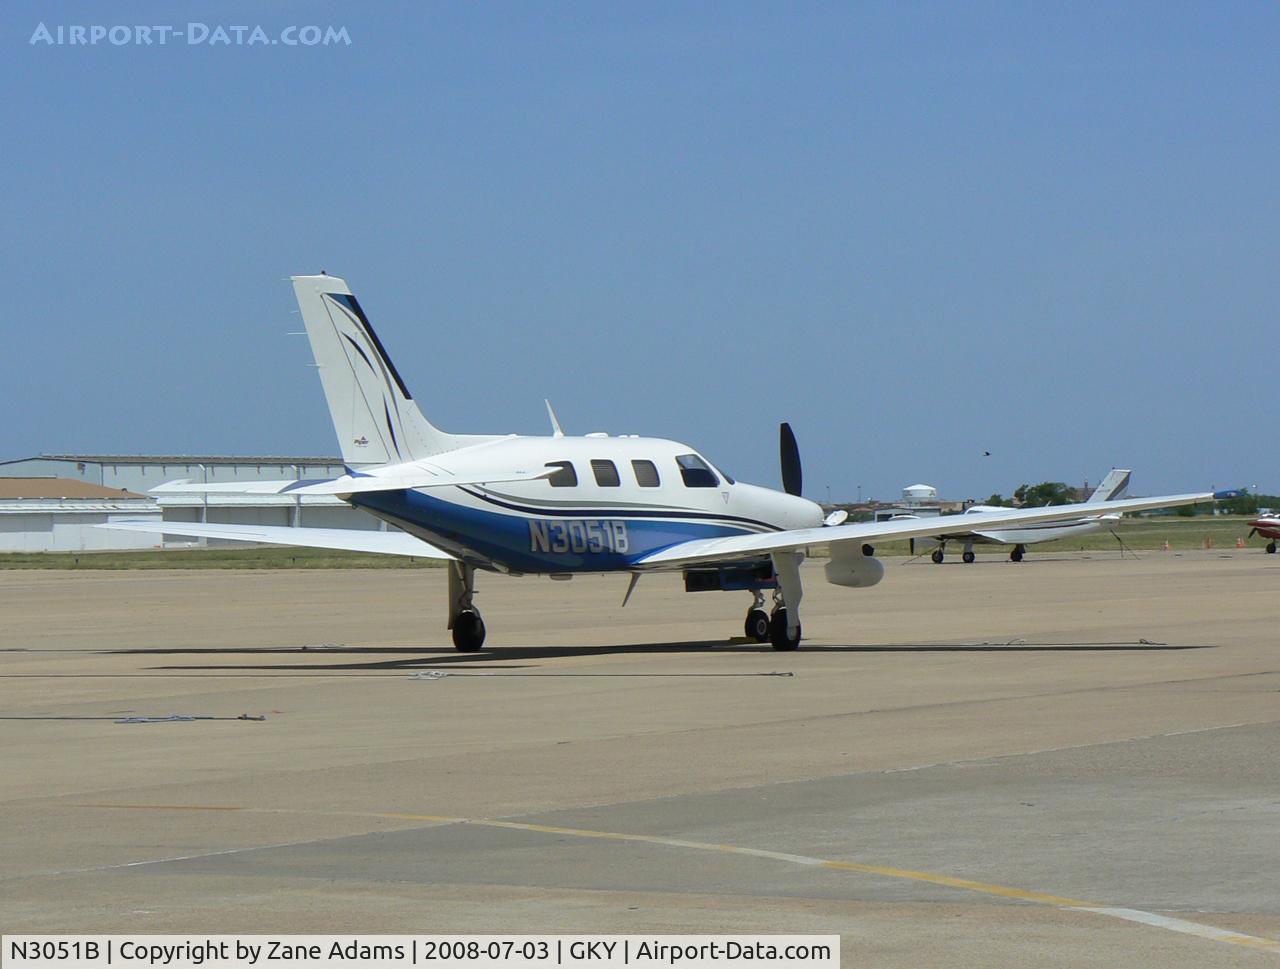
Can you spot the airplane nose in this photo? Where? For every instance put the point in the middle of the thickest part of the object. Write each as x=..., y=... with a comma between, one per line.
x=807, y=514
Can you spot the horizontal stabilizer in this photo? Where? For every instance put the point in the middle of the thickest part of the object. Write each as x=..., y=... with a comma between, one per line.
x=345, y=539
x=395, y=479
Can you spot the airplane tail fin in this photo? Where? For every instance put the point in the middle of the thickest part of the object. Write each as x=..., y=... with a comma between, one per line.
x=375, y=417
x=1112, y=487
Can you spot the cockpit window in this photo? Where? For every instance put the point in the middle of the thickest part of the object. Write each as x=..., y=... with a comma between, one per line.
x=565, y=476
x=606, y=473
x=696, y=472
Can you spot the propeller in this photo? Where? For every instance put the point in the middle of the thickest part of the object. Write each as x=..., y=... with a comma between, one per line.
x=789, y=453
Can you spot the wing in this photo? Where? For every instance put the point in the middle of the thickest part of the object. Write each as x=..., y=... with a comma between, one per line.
x=707, y=550
x=348, y=539
x=347, y=484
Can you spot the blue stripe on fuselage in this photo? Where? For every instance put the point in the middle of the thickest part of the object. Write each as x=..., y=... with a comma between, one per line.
x=506, y=539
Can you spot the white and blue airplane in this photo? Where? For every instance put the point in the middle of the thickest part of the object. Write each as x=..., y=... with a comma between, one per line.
x=563, y=505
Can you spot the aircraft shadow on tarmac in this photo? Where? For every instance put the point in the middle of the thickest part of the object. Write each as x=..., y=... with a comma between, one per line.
x=510, y=657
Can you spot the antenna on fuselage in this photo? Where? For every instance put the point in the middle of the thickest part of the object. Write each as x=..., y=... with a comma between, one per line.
x=555, y=421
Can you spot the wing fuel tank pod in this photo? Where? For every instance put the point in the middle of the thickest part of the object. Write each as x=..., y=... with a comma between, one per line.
x=853, y=566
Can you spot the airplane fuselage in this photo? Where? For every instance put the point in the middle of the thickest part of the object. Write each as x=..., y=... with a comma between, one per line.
x=1031, y=534
x=610, y=502
x=1266, y=527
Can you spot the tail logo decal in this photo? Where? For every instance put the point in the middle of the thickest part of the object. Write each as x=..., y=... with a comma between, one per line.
x=352, y=306
x=384, y=374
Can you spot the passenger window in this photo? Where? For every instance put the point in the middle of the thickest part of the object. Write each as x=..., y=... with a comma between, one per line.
x=646, y=474
x=564, y=477
x=696, y=472
x=606, y=473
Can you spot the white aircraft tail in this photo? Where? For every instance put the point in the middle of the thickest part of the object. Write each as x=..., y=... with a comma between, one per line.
x=375, y=417
x=1112, y=487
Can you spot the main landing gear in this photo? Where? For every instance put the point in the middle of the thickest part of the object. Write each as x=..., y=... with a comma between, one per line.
x=784, y=624
x=464, y=618
x=781, y=626
x=756, y=626
x=779, y=635
x=1017, y=553
x=1271, y=548
x=939, y=554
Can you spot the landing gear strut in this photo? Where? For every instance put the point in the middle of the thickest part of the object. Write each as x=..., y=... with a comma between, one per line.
x=464, y=618
x=1017, y=553
x=784, y=624
x=757, y=625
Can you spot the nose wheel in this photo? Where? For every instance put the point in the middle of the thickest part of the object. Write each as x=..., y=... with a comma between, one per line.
x=1017, y=553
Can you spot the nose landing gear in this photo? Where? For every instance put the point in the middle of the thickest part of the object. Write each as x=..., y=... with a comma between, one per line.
x=1017, y=553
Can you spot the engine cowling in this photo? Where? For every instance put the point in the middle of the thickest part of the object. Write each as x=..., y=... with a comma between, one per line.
x=852, y=567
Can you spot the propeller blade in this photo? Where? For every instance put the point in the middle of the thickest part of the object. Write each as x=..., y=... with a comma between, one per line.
x=792, y=476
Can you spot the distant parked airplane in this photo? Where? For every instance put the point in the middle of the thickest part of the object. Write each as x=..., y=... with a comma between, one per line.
x=562, y=505
x=1112, y=487
x=1267, y=527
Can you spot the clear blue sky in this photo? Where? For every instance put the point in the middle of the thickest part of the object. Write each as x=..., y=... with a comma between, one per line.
x=918, y=231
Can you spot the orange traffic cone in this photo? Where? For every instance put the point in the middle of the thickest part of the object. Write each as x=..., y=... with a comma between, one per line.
x=1240, y=542
x=1166, y=545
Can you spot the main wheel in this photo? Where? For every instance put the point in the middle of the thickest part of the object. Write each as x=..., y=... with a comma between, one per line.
x=1271, y=548
x=1016, y=554
x=757, y=626
x=937, y=556
x=468, y=632
x=968, y=558
x=778, y=631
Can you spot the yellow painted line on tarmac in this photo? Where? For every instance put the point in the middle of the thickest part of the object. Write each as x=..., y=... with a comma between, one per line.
x=966, y=884
x=170, y=807
x=1170, y=923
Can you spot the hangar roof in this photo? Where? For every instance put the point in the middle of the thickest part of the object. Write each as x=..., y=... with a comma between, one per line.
x=11, y=488
x=184, y=459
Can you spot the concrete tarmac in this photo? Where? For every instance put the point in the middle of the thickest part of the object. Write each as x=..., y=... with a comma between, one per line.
x=1067, y=762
